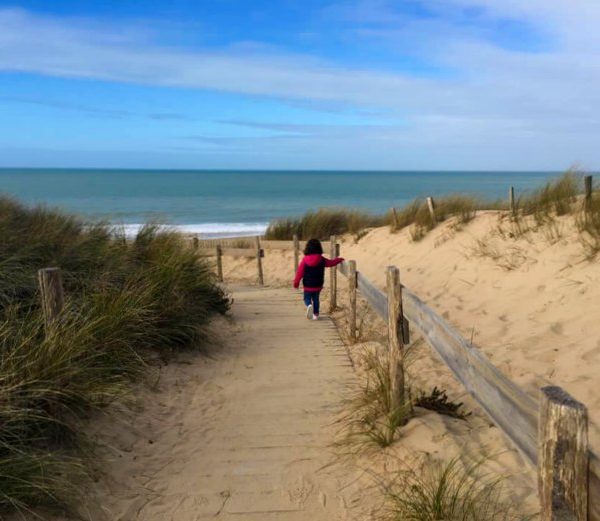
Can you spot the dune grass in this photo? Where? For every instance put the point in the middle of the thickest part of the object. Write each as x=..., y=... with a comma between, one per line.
x=588, y=223
x=370, y=419
x=324, y=223
x=533, y=210
x=129, y=304
x=449, y=492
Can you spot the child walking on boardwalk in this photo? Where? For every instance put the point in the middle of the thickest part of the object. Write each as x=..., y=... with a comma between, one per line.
x=312, y=273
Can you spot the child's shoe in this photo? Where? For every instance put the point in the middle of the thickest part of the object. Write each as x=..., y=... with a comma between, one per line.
x=315, y=317
x=309, y=311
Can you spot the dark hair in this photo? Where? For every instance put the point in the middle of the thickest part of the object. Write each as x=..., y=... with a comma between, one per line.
x=313, y=246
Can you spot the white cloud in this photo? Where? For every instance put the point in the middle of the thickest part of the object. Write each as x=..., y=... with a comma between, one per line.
x=546, y=99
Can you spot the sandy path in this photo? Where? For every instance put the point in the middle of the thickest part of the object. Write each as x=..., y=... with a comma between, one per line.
x=245, y=436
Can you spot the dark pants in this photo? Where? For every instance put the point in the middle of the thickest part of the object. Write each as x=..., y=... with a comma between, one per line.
x=312, y=297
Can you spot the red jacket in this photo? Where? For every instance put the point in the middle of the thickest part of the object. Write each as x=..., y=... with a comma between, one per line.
x=314, y=260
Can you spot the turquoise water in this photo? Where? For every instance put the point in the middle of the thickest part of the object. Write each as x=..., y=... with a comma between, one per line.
x=233, y=202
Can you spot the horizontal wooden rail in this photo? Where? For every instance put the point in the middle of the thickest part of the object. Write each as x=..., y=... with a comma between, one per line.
x=232, y=252
x=250, y=242
x=513, y=410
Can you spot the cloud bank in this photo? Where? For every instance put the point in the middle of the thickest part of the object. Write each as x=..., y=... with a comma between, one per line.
x=486, y=94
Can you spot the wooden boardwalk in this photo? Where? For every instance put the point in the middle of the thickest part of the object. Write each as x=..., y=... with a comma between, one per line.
x=253, y=429
x=265, y=453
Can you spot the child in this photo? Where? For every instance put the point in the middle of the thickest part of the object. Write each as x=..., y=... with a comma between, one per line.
x=312, y=273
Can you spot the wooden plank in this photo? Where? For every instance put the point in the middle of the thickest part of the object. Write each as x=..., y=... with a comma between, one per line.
x=352, y=299
x=281, y=245
x=587, y=199
x=259, y=255
x=395, y=345
x=296, y=253
x=343, y=268
x=219, y=252
x=395, y=220
x=511, y=200
x=332, y=278
x=431, y=207
x=374, y=296
x=511, y=409
x=562, y=457
x=235, y=242
x=241, y=252
x=594, y=490
x=52, y=295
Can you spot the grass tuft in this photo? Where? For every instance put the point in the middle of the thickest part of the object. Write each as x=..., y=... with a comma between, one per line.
x=448, y=492
x=370, y=418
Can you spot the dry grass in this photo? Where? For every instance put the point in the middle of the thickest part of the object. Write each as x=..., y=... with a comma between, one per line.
x=588, y=223
x=446, y=491
x=370, y=418
x=460, y=208
x=324, y=223
x=129, y=303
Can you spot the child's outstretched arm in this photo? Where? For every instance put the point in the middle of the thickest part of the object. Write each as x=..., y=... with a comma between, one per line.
x=299, y=274
x=330, y=263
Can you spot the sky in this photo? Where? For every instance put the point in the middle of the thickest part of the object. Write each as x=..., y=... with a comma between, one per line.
x=281, y=84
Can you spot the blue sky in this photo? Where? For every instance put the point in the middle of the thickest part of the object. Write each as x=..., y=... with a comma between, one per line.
x=436, y=84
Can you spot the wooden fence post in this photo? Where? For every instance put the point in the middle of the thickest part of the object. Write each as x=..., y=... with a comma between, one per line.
x=431, y=207
x=352, y=283
x=52, y=294
x=562, y=457
x=333, y=274
x=511, y=200
x=219, y=263
x=396, y=346
x=395, y=222
x=195, y=243
x=259, y=256
x=296, y=253
x=587, y=182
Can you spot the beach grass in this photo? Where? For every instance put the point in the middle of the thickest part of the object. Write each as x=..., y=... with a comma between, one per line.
x=448, y=491
x=129, y=304
x=370, y=417
x=323, y=223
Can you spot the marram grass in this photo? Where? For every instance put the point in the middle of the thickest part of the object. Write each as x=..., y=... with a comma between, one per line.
x=126, y=302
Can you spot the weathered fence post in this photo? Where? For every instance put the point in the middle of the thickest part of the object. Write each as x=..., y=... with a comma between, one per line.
x=259, y=255
x=587, y=182
x=395, y=222
x=296, y=253
x=562, y=457
x=431, y=207
x=219, y=263
x=352, y=283
x=195, y=243
x=333, y=274
x=396, y=346
x=511, y=200
x=52, y=294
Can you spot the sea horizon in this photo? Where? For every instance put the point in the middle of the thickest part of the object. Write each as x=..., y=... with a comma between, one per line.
x=235, y=202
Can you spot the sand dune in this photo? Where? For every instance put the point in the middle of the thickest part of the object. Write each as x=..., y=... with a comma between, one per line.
x=529, y=303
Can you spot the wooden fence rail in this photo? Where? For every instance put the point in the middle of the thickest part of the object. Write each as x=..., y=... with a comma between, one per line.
x=219, y=251
x=514, y=411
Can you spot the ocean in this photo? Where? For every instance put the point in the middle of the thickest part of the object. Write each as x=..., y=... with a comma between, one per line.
x=232, y=203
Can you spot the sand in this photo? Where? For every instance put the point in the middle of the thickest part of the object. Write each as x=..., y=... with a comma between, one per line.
x=248, y=433
x=529, y=303
x=244, y=435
